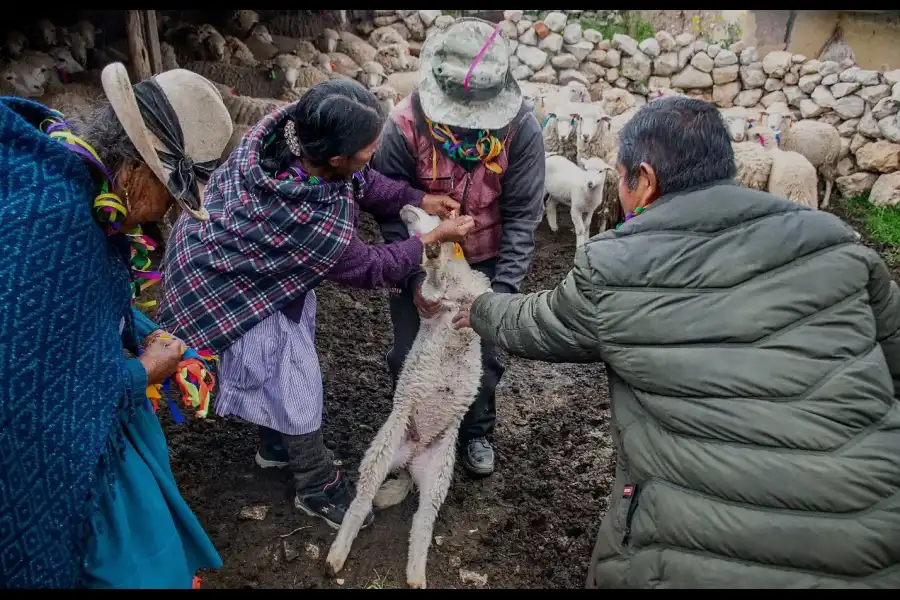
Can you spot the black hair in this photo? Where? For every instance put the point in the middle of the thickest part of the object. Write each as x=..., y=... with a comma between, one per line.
x=685, y=141
x=98, y=125
x=334, y=118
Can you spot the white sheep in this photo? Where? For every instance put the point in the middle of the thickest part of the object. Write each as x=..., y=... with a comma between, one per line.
x=590, y=134
x=297, y=72
x=581, y=190
x=292, y=94
x=819, y=142
x=246, y=110
x=371, y=75
x=260, y=43
x=242, y=21
x=343, y=64
x=575, y=91
x=753, y=163
x=213, y=41
x=436, y=387
x=356, y=48
x=736, y=120
x=75, y=42
x=393, y=57
x=387, y=95
x=792, y=176
x=167, y=53
x=237, y=52
x=550, y=133
x=384, y=36
x=88, y=32
x=616, y=101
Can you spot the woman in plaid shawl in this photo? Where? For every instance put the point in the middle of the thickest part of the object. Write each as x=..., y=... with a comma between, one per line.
x=283, y=217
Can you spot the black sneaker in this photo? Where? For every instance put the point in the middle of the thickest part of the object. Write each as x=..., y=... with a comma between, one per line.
x=332, y=503
x=478, y=457
x=275, y=456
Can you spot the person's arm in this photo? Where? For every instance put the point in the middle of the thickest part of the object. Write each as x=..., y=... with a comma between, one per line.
x=521, y=205
x=385, y=197
x=135, y=380
x=371, y=267
x=884, y=296
x=554, y=325
x=394, y=159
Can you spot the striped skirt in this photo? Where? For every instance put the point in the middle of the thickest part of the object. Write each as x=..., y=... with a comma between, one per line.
x=271, y=375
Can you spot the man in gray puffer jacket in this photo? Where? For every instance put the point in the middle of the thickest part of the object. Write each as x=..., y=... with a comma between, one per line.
x=753, y=353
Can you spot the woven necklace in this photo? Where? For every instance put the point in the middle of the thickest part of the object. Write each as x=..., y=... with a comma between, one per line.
x=631, y=215
x=482, y=146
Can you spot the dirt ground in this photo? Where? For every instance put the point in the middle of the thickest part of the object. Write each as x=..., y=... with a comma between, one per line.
x=530, y=525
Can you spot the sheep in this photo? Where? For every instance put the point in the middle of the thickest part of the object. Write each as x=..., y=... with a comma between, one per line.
x=792, y=176
x=237, y=52
x=439, y=382
x=371, y=75
x=292, y=94
x=46, y=34
x=260, y=43
x=88, y=32
x=245, y=110
x=575, y=91
x=819, y=142
x=343, y=64
x=611, y=209
x=589, y=140
x=329, y=40
x=582, y=190
x=753, y=164
x=242, y=21
x=65, y=60
x=616, y=101
x=213, y=41
x=15, y=43
x=736, y=120
x=550, y=133
x=167, y=53
x=357, y=49
x=387, y=95
x=261, y=82
x=297, y=72
x=393, y=57
x=384, y=36
x=76, y=43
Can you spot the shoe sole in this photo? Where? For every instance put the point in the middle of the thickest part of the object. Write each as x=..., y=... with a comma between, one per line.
x=332, y=524
x=479, y=471
x=264, y=463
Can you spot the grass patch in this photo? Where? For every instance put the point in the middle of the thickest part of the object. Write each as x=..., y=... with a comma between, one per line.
x=881, y=224
x=630, y=23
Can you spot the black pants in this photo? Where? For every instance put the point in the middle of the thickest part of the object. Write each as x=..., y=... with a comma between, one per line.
x=308, y=459
x=479, y=421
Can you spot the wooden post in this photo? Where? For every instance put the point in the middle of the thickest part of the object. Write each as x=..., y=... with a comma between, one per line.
x=151, y=35
x=136, y=47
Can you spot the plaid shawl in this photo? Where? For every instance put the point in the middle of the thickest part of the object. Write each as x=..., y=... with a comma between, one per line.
x=266, y=243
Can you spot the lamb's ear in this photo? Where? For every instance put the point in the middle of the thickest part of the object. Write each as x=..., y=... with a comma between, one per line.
x=432, y=251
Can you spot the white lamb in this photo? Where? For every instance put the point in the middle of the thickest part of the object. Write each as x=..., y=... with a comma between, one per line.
x=736, y=120
x=582, y=190
x=792, y=176
x=438, y=383
x=753, y=163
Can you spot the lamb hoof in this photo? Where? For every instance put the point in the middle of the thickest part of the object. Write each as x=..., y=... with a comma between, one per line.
x=335, y=561
x=415, y=583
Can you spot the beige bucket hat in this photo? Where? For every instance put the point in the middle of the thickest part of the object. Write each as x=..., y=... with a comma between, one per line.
x=178, y=124
x=493, y=97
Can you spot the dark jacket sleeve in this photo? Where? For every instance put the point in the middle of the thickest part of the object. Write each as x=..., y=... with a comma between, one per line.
x=521, y=205
x=885, y=299
x=554, y=326
x=395, y=160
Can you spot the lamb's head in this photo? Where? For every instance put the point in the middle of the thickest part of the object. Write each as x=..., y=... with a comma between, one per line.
x=75, y=42
x=594, y=163
x=25, y=78
x=243, y=20
x=778, y=117
x=737, y=126
x=288, y=66
x=575, y=91
x=261, y=33
x=46, y=32
x=15, y=43
x=567, y=124
x=215, y=43
x=387, y=95
x=768, y=138
x=65, y=60
x=589, y=127
x=88, y=31
x=417, y=221
x=393, y=57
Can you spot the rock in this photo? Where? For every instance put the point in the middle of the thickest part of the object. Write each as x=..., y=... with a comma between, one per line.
x=541, y=30
x=612, y=74
x=723, y=95
x=830, y=118
x=684, y=56
x=777, y=63
x=702, y=62
x=857, y=142
x=568, y=75
x=472, y=578
x=429, y=16
x=591, y=35
x=510, y=15
x=738, y=47
x=823, y=97
x=417, y=28
x=808, y=83
x=289, y=550
x=592, y=71
x=523, y=26
x=598, y=88
x=776, y=97
x=545, y=75
x=845, y=148
x=895, y=92
x=700, y=46
x=622, y=82
x=613, y=59
x=749, y=56
x=873, y=94
x=624, y=44
x=572, y=33
x=885, y=108
x=867, y=77
x=684, y=39
x=638, y=88
x=848, y=127
x=723, y=75
x=880, y=157
x=564, y=61
x=650, y=47
x=791, y=79
x=725, y=58
x=830, y=79
x=850, y=107
x=753, y=76
x=856, y=184
x=312, y=551
x=890, y=128
x=254, y=513
x=809, y=109
x=839, y=90
x=810, y=67
x=868, y=126
x=553, y=43
x=596, y=56
x=772, y=84
x=339, y=581
x=514, y=61
x=659, y=83
x=522, y=72
x=665, y=40
x=892, y=77
x=713, y=50
x=798, y=58
x=404, y=31
x=532, y=57
x=748, y=98
x=604, y=45
x=636, y=67
x=666, y=64
x=529, y=38
x=385, y=20
x=846, y=166
x=513, y=45
x=886, y=191
x=580, y=50
x=509, y=28
x=692, y=78
x=556, y=21
x=795, y=69
x=794, y=95
x=829, y=67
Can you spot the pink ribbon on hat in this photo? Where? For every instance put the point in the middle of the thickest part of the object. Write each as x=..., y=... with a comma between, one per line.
x=480, y=55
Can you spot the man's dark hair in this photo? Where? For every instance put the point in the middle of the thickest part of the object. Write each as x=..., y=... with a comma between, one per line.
x=685, y=141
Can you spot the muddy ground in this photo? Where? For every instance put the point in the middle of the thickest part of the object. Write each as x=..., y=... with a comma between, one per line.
x=530, y=525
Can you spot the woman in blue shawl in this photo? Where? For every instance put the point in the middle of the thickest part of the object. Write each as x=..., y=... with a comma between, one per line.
x=87, y=496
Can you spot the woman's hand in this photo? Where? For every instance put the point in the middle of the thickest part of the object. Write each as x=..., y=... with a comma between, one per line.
x=450, y=230
x=162, y=353
x=462, y=319
x=439, y=204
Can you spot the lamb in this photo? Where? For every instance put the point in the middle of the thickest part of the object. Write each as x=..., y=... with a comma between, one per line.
x=384, y=36
x=297, y=72
x=88, y=32
x=792, y=176
x=736, y=120
x=329, y=40
x=213, y=41
x=753, y=163
x=237, y=53
x=186, y=40
x=14, y=44
x=76, y=43
x=245, y=110
x=439, y=382
x=582, y=190
x=575, y=91
x=372, y=74
x=357, y=49
x=550, y=133
x=589, y=141
x=819, y=142
x=343, y=64
x=242, y=21
x=393, y=57
x=259, y=42
x=387, y=95
x=292, y=94
x=615, y=101
x=566, y=130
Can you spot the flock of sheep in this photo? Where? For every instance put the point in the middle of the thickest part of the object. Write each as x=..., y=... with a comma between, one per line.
x=772, y=153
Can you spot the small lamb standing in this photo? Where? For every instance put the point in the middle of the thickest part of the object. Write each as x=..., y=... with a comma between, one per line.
x=581, y=189
x=438, y=383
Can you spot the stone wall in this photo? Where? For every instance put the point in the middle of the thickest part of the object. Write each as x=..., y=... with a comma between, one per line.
x=862, y=104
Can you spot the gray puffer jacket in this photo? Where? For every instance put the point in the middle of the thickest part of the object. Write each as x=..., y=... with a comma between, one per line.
x=753, y=352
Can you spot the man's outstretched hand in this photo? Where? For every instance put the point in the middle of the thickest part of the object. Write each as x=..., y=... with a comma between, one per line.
x=461, y=320
x=440, y=205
